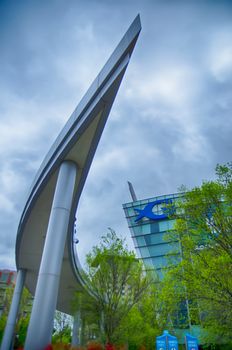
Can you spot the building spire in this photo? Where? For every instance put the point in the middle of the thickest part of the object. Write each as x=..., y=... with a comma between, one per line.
x=132, y=191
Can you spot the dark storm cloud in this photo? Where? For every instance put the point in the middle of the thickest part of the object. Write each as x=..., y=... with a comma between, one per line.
x=171, y=121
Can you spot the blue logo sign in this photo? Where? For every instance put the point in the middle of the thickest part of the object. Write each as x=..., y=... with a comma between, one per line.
x=148, y=213
x=172, y=344
x=161, y=343
x=191, y=342
x=166, y=341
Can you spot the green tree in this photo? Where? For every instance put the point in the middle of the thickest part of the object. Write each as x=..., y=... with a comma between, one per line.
x=23, y=314
x=21, y=329
x=204, y=275
x=62, y=326
x=2, y=325
x=116, y=281
x=144, y=322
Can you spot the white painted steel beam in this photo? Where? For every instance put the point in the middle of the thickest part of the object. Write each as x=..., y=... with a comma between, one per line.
x=44, y=305
x=76, y=143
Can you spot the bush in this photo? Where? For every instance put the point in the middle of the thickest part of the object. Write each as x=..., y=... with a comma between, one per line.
x=94, y=346
x=60, y=346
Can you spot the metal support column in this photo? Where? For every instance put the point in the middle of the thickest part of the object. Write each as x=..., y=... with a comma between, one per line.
x=14, y=308
x=44, y=306
x=76, y=329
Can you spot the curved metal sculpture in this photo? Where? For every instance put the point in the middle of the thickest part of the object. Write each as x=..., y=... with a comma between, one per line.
x=66, y=164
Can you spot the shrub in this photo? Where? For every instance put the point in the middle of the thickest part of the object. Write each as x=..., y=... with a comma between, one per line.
x=60, y=346
x=48, y=347
x=94, y=346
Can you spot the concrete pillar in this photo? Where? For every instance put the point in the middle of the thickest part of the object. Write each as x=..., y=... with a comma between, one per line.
x=8, y=336
x=76, y=329
x=44, y=305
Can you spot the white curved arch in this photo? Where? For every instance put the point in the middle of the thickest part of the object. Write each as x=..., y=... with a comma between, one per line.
x=77, y=142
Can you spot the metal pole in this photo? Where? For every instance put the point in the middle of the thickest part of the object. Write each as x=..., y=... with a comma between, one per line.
x=14, y=308
x=76, y=328
x=44, y=306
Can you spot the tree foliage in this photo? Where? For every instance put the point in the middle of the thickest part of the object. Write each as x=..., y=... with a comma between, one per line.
x=116, y=282
x=62, y=328
x=23, y=314
x=144, y=322
x=204, y=275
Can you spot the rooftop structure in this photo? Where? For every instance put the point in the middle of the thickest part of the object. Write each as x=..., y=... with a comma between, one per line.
x=149, y=224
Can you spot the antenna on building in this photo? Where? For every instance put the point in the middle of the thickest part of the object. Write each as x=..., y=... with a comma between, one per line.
x=132, y=191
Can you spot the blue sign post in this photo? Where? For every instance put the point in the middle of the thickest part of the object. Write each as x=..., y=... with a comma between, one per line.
x=161, y=343
x=172, y=342
x=166, y=342
x=191, y=342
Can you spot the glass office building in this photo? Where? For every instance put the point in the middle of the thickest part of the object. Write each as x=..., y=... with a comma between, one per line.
x=149, y=225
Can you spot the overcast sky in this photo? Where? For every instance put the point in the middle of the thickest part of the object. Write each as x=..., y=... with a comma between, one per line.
x=171, y=120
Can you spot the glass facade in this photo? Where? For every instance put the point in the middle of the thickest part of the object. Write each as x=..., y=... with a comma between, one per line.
x=149, y=227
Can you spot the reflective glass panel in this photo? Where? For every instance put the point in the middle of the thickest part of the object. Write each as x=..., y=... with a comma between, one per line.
x=159, y=261
x=140, y=241
x=138, y=253
x=148, y=263
x=137, y=230
x=4, y=277
x=144, y=252
x=155, y=227
x=160, y=249
x=146, y=229
x=130, y=211
x=163, y=225
x=154, y=238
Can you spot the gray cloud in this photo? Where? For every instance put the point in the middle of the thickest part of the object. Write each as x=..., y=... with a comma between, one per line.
x=171, y=121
